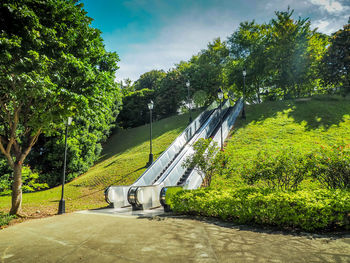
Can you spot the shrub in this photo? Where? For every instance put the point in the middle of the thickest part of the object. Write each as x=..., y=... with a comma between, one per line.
x=303, y=209
x=284, y=171
x=331, y=166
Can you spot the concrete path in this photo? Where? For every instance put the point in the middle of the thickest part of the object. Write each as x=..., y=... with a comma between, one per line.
x=103, y=237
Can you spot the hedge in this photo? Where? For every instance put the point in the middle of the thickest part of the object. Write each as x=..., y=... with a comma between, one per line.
x=308, y=210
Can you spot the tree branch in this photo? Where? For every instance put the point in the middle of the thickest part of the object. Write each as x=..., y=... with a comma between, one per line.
x=7, y=155
x=31, y=143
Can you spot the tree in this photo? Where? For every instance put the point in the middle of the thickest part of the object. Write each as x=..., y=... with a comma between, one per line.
x=135, y=110
x=205, y=159
x=336, y=62
x=204, y=70
x=288, y=54
x=171, y=94
x=52, y=65
x=248, y=51
x=150, y=80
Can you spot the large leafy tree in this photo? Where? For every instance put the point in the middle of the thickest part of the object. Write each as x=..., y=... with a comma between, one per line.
x=336, y=62
x=52, y=65
x=288, y=57
x=204, y=70
x=248, y=51
x=150, y=80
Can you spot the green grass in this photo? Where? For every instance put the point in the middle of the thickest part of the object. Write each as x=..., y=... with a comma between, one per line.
x=123, y=160
x=270, y=126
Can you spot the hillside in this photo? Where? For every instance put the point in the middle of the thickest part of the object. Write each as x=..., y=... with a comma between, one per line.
x=123, y=160
x=273, y=126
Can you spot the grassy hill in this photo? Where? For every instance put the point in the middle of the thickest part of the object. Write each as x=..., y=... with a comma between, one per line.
x=123, y=160
x=273, y=126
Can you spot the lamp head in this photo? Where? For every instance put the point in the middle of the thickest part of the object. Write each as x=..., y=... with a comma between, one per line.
x=188, y=84
x=69, y=121
x=220, y=94
x=244, y=72
x=150, y=105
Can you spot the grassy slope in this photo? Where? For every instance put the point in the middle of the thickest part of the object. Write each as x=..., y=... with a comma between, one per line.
x=303, y=125
x=123, y=160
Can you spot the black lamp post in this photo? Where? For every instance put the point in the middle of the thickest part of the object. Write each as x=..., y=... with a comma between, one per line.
x=243, y=110
x=150, y=107
x=188, y=100
x=62, y=203
x=220, y=96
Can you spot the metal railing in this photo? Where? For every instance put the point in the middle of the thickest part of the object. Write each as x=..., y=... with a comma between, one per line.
x=118, y=195
x=148, y=196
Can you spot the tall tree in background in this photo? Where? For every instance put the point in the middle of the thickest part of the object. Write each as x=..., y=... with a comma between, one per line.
x=205, y=70
x=248, y=51
x=287, y=57
x=150, y=80
x=52, y=65
x=336, y=67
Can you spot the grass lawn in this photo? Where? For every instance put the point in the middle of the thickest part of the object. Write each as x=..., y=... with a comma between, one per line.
x=123, y=160
x=270, y=126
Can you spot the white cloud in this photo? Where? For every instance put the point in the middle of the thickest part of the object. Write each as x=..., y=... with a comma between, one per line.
x=178, y=40
x=328, y=26
x=330, y=6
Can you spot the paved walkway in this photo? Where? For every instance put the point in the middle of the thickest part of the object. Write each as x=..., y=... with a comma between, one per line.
x=103, y=237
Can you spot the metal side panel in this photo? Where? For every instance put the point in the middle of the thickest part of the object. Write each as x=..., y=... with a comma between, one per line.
x=118, y=194
x=148, y=196
x=169, y=154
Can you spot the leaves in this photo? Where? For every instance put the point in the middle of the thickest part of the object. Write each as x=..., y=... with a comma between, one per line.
x=304, y=209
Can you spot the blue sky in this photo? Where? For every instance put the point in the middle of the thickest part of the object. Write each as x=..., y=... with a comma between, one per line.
x=156, y=34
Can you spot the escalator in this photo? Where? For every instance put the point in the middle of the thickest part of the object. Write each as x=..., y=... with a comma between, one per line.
x=147, y=196
x=117, y=196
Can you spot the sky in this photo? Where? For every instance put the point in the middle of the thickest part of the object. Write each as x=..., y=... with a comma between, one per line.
x=157, y=34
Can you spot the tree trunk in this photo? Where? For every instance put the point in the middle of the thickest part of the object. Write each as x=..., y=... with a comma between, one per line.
x=16, y=189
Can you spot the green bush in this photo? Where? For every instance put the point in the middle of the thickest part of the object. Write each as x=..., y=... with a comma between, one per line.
x=303, y=209
x=331, y=166
x=284, y=170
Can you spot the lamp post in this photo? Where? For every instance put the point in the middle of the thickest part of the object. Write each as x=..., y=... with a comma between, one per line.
x=188, y=100
x=243, y=110
x=220, y=96
x=150, y=107
x=62, y=203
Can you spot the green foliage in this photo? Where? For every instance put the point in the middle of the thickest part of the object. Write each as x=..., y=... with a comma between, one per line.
x=336, y=62
x=135, y=111
x=171, y=191
x=30, y=181
x=122, y=161
x=281, y=58
x=167, y=92
x=204, y=159
x=284, y=170
x=53, y=64
x=331, y=166
x=301, y=125
x=150, y=80
x=304, y=209
x=204, y=70
x=5, y=219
